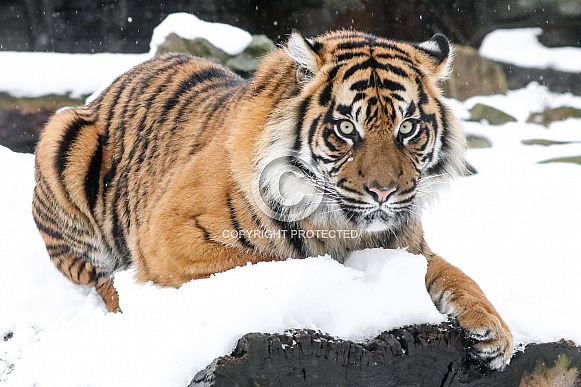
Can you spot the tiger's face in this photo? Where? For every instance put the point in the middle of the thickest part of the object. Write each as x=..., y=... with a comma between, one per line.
x=375, y=126
x=374, y=148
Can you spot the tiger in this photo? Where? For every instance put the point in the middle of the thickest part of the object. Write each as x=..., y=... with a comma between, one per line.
x=182, y=169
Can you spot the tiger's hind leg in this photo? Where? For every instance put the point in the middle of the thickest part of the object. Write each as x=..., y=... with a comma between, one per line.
x=82, y=272
x=65, y=203
x=71, y=251
x=72, y=257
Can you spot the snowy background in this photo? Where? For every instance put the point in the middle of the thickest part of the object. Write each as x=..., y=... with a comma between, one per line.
x=514, y=227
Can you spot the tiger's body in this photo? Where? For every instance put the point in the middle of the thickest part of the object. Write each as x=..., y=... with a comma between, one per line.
x=182, y=169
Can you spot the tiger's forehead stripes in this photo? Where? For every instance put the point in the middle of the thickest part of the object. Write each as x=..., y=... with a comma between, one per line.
x=372, y=82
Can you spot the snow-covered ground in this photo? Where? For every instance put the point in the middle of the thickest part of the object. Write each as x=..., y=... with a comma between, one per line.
x=514, y=227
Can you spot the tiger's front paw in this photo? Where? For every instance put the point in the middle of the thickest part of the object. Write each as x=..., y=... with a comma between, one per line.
x=457, y=295
x=493, y=344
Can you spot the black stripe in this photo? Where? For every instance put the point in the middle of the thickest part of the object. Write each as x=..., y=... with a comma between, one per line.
x=82, y=268
x=424, y=99
x=327, y=133
x=300, y=120
x=411, y=189
x=293, y=234
x=374, y=64
x=353, y=44
x=94, y=275
x=312, y=131
x=340, y=164
x=444, y=128
x=341, y=184
x=326, y=94
x=398, y=97
x=70, y=137
x=393, y=46
x=348, y=212
x=194, y=79
x=205, y=232
x=350, y=55
x=344, y=110
x=222, y=84
x=360, y=85
x=359, y=96
x=236, y=225
x=392, y=85
x=93, y=176
x=48, y=231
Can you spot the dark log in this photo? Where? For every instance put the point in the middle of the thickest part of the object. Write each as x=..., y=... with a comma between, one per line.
x=422, y=355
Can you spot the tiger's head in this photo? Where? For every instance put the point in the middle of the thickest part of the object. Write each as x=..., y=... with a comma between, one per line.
x=366, y=132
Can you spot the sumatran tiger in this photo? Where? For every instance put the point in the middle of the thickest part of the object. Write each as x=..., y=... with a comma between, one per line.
x=182, y=169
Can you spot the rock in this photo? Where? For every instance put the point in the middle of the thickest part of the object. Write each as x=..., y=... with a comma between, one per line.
x=259, y=46
x=571, y=159
x=22, y=119
x=549, y=115
x=559, y=374
x=247, y=61
x=243, y=64
x=473, y=75
x=197, y=47
x=543, y=142
x=556, y=81
x=492, y=115
x=423, y=355
x=476, y=142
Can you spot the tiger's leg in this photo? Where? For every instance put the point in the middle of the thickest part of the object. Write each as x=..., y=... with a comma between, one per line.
x=456, y=294
x=75, y=266
x=182, y=244
x=65, y=246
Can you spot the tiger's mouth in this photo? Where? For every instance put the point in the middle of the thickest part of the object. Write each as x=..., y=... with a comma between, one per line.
x=370, y=218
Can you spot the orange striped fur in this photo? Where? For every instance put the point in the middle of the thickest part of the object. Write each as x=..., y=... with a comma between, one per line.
x=182, y=169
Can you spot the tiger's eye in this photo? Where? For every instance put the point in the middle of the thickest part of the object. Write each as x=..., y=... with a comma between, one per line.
x=346, y=127
x=406, y=127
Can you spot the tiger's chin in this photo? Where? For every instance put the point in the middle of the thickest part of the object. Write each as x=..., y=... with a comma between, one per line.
x=376, y=226
x=376, y=222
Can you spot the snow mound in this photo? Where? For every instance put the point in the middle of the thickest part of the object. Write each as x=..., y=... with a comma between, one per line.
x=232, y=40
x=521, y=47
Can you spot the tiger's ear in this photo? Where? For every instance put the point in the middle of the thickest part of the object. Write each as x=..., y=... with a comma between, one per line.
x=302, y=51
x=440, y=53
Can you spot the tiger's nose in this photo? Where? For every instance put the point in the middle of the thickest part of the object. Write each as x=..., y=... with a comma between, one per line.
x=380, y=194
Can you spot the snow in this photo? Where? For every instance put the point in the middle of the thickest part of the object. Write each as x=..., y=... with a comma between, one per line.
x=520, y=46
x=33, y=74
x=232, y=40
x=513, y=227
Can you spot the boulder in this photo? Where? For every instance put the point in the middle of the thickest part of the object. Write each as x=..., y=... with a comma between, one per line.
x=244, y=63
x=473, y=75
x=197, y=47
x=476, y=142
x=543, y=142
x=549, y=115
x=555, y=80
x=569, y=159
x=492, y=115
